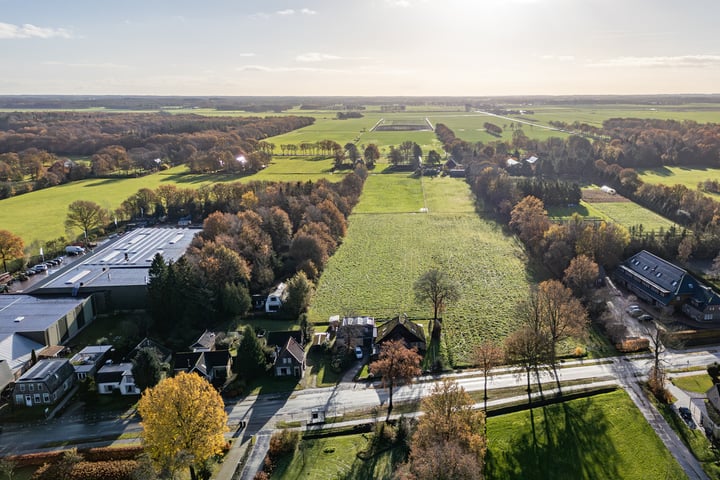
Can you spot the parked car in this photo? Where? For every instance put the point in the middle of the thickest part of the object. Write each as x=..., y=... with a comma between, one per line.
x=634, y=311
x=40, y=267
x=645, y=317
x=30, y=272
x=358, y=353
x=74, y=249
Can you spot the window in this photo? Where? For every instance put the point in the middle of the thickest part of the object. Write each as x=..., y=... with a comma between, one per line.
x=37, y=398
x=40, y=387
x=31, y=387
x=46, y=397
x=18, y=399
x=128, y=389
x=81, y=375
x=22, y=387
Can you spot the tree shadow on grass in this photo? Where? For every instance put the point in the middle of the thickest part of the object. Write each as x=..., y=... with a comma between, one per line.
x=575, y=445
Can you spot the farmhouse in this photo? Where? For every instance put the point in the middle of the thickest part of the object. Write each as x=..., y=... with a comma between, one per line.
x=213, y=366
x=30, y=323
x=45, y=383
x=668, y=286
x=401, y=328
x=116, y=274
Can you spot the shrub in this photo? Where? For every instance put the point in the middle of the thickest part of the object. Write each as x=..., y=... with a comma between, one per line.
x=113, y=470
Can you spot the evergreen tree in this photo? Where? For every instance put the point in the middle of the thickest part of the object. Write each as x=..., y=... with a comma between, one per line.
x=250, y=360
x=147, y=369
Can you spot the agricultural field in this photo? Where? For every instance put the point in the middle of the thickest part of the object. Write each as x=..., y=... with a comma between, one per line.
x=387, y=249
x=596, y=114
x=40, y=215
x=469, y=127
x=589, y=438
x=690, y=177
x=613, y=208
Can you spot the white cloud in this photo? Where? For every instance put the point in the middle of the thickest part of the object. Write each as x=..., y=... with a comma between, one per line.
x=88, y=65
x=27, y=30
x=398, y=3
x=683, y=61
x=307, y=11
x=246, y=54
x=559, y=58
x=264, y=68
x=288, y=11
x=315, y=57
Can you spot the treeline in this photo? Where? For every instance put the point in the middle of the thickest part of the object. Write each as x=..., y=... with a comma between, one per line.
x=257, y=234
x=32, y=145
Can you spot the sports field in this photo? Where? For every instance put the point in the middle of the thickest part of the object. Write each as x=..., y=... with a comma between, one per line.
x=390, y=243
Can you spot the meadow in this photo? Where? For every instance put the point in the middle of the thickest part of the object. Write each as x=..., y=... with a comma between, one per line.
x=40, y=215
x=604, y=436
x=469, y=127
x=625, y=213
x=689, y=177
x=390, y=244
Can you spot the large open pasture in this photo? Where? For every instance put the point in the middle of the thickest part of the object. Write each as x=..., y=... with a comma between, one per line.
x=690, y=177
x=40, y=215
x=469, y=127
x=390, y=244
x=604, y=436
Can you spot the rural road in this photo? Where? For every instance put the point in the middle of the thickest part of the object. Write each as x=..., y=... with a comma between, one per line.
x=262, y=412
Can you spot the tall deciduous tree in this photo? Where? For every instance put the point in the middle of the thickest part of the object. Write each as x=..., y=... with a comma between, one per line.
x=530, y=220
x=371, y=154
x=11, y=247
x=437, y=288
x=581, y=275
x=396, y=364
x=85, y=215
x=561, y=315
x=147, y=368
x=184, y=422
x=448, y=442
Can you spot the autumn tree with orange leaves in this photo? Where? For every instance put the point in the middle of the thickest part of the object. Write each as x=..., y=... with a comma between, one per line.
x=396, y=365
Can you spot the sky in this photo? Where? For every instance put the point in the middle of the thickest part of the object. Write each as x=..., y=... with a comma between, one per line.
x=359, y=47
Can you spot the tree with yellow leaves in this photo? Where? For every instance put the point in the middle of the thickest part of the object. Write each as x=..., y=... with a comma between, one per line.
x=183, y=422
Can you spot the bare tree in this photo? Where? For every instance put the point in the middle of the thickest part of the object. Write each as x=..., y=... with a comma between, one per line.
x=436, y=287
x=487, y=356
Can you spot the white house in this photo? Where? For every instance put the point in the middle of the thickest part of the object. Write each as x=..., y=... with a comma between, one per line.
x=276, y=298
x=116, y=377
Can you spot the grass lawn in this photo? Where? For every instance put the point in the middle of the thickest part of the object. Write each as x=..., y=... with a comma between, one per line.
x=40, y=215
x=690, y=177
x=694, y=383
x=337, y=458
x=384, y=253
x=630, y=214
x=600, y=437
x=469, y=127
x=584, y=209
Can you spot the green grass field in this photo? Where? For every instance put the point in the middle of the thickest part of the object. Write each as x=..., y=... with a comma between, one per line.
x=601, y=437
x=469, y=127
x=40, y=215
x=690, y=177
x=386, y=250
x=336, y=458
x=629, y=214
x=694, y=383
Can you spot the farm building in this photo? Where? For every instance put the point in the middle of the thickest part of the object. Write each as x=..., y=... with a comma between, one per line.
x=116, y=274
x=30, y=323
x=666, y=285
x=45, y=383
x=401, y=328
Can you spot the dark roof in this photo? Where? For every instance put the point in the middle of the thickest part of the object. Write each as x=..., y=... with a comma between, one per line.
x=164, y=353
x=51, y=371
x=655, y=270
x=113, y=373
x=396, y=326
x=280, y=338
x=206, y=340
x=294, y=349
x=203, y=362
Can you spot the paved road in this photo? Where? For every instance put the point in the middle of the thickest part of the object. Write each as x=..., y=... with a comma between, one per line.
x=262, y=412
